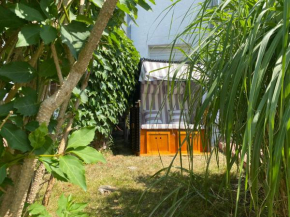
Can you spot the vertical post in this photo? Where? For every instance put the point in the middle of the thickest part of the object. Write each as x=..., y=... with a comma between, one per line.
x=138, y=127
x=127, y=116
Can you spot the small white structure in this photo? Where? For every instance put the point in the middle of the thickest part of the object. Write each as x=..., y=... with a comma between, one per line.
x=162, y=100
x=162, y=120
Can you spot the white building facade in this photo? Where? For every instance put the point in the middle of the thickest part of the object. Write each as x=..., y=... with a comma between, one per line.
x=157, y=29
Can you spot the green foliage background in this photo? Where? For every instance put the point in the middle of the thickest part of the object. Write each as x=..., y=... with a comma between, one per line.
x=111, y=82
x=30, y=31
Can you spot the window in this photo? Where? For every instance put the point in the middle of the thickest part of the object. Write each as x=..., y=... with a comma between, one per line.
x=165, y=53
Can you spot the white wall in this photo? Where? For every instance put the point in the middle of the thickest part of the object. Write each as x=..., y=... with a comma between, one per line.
x=156, y=28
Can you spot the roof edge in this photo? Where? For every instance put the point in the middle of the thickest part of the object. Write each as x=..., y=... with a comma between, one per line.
x=160, y=61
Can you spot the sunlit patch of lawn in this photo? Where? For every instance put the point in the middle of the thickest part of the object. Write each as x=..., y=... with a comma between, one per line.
x=132, y=183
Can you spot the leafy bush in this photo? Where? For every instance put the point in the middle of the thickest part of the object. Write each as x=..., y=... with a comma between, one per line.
x=67, y=207
x=111, y=82
x=46, y=49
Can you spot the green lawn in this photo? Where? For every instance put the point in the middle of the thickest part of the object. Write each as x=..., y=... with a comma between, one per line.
x=132, y=183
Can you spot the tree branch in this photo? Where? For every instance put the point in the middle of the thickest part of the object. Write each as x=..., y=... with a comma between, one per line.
x=36, y=55
x=82, y=7
x=69, y=55
x=63, y=142
x=56, y=62
x=4, y=121
x=50, y=104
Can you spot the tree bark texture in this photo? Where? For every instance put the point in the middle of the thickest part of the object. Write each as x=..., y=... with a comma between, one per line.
x=63, y=142
x=8, y=196
x=82, y=7
x=60, y=119
x=38, y=178
x=49, y=105
x=48, y=191
x=22, y=187
x=35, y=187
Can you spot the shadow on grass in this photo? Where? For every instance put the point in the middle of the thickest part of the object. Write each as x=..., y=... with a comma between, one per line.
x=120, y=147
x=195, y=196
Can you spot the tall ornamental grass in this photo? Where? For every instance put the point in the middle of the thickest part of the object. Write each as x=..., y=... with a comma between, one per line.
x=241, y=48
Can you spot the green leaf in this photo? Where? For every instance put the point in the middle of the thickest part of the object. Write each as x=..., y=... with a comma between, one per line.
x=72, y=16
x=32, y=125
x=77, y=207
x=89, y=155
x=49, y=8
x=52, y=124
x=76, y=91
x=52, y=166
x=2, y=148
x=82, y=137
x=74, y=170
x=3, y=173
x=144, y=5
x=81, y=95
x=62, y=205
x=17, y=120
x=85, y=19
x=74, y=35
x=9, y=19
x=47, y=147
x=98, y=3
x=123, y=8
x=16, y=138
x=2, y=94
x=67, y=207
x=26, y=12
x=37, y=137
x=27, y=105
x=18, y=72
x=28, y=35
x=10, y=159
x=48, y=34
x=6, y=108
x=65, y=66
x=47, y=68
x=84, y=97
x=35, y=209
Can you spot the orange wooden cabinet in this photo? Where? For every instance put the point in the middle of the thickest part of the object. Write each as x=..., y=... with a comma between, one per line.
x=158, y=142
x=168, y=142
x=191, y=139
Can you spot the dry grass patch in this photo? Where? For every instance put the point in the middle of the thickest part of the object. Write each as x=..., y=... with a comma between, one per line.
x=132, y=183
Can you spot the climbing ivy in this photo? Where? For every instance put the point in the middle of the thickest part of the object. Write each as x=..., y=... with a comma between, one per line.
x=112, y=80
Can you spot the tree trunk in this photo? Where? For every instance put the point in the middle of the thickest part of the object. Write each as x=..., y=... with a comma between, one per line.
x=49, y=105
x=61, y=149
x=60, y=119
x=36, y=184
x=8, y=196
x=15, y=196
x=63, y=142
x=38, y=178
x=48, y=191
x=22, y=187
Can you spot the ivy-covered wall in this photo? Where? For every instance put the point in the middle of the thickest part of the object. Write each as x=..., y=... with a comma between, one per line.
x=112, y=80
